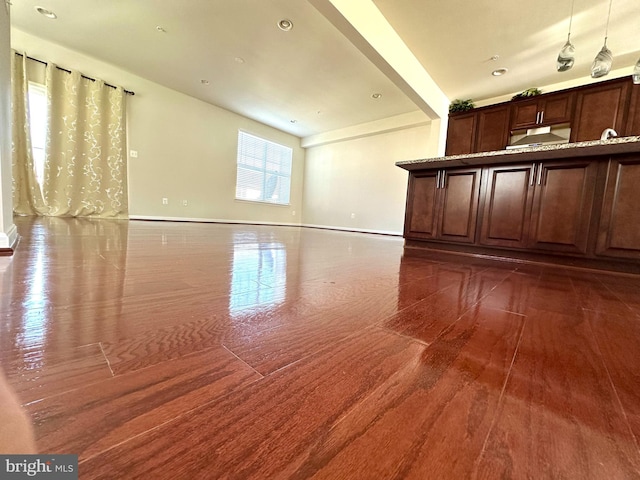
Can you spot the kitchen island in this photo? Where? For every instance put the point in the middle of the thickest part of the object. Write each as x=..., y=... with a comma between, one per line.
x=574, y=204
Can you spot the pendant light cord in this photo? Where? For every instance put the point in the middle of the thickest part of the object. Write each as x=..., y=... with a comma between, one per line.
x=606, y=31
x=573, y=2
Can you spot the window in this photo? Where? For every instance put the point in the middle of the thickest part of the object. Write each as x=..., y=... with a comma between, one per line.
x=264, y=170
x=38, y=127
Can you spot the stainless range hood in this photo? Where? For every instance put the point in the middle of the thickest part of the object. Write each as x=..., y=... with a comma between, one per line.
x=535, y=137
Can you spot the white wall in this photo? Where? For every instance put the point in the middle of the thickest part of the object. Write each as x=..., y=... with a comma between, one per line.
x=186, y=148
x=8, y=233
x=360, y=177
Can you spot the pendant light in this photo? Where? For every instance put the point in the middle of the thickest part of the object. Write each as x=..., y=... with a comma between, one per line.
x=636, y=73
x=566, y=57
x=602, y=63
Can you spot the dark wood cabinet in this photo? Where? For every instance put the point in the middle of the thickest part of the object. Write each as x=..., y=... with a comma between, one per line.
x=562, y=204
x=482, y=130
x=461, y=134
x=633, y=120
x=551, y=109
x=421, y=215
x=507, y=205
x=575, y=206
x=619, y=232
x=599, y=107
x=443, y=205
x=492, y=131
x=587, y=110
x=542, y=206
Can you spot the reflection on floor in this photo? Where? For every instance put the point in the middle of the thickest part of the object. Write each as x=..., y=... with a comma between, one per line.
x=178, y=350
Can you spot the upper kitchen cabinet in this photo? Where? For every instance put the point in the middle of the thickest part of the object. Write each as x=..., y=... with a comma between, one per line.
x=551, y=109
x=493, y=128
x=461, y=134
x=481, y=130
x=633, y=120
x=599, y=107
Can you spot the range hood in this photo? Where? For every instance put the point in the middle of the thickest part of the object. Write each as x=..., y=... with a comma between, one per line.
x=535, y=137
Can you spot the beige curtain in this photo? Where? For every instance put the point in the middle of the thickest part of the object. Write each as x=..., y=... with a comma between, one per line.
x=27, y=196
x=85, y=171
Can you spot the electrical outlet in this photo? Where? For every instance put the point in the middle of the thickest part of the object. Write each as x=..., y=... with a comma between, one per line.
x=353, y=215
x=184, y=203
x=165, y=201
x=133, y=154
x=293, y=214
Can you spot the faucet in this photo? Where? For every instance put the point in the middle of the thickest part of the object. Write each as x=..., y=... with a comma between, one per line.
x=608, y=133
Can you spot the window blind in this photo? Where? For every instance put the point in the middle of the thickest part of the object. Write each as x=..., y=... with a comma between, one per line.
x=264, y=170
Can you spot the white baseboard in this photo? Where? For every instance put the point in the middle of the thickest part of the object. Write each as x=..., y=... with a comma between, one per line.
x=208, y=220
x=252, y=222
x=349, y=229
x=9, y=238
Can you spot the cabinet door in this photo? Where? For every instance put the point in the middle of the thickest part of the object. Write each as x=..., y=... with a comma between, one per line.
x=524, y=114
x=460, y=190
x=599, y=108
x=557, y=108
x=633, y=121
x=420, y=221
x=507, y=207
x=563, y=199
x=493, y=129
x=461, y=135
x=549, y=109
x=619, y=232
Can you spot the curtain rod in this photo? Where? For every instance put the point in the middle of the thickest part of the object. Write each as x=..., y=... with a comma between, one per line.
x=128, y=92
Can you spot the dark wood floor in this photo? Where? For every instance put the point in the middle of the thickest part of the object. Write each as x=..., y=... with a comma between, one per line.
x=187, y=351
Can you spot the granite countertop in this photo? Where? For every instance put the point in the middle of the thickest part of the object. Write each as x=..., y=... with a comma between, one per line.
x=545, y=152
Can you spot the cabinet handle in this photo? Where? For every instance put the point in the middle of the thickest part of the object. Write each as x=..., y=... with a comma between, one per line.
x=438, y=180
x=537, y=118
x=444, y=179
x=532, y=175
x=539, y=174
x=542, y=116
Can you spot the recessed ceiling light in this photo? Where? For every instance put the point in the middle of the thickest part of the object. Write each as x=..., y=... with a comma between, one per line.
x=499, y=72
x=161, y=29
x=46, y=13
x=376, y=96
x=285, y=24
x=204, y=81
x=238, y=60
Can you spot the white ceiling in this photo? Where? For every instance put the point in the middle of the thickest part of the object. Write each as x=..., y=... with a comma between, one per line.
x=314, y=74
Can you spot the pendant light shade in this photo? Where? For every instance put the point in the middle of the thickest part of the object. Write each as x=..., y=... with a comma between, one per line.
x=601, y=65
x=636, y=73
x=566, y=57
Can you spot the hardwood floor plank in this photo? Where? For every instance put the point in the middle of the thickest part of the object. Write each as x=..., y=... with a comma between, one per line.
x=592, y=296
x=405, y=428
x=38, y=377
x=559, y=417
x=619, y=340
x=513, y=294
x=426, y=319
x=100, y=415
x=151, y=348
x=259, y=430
